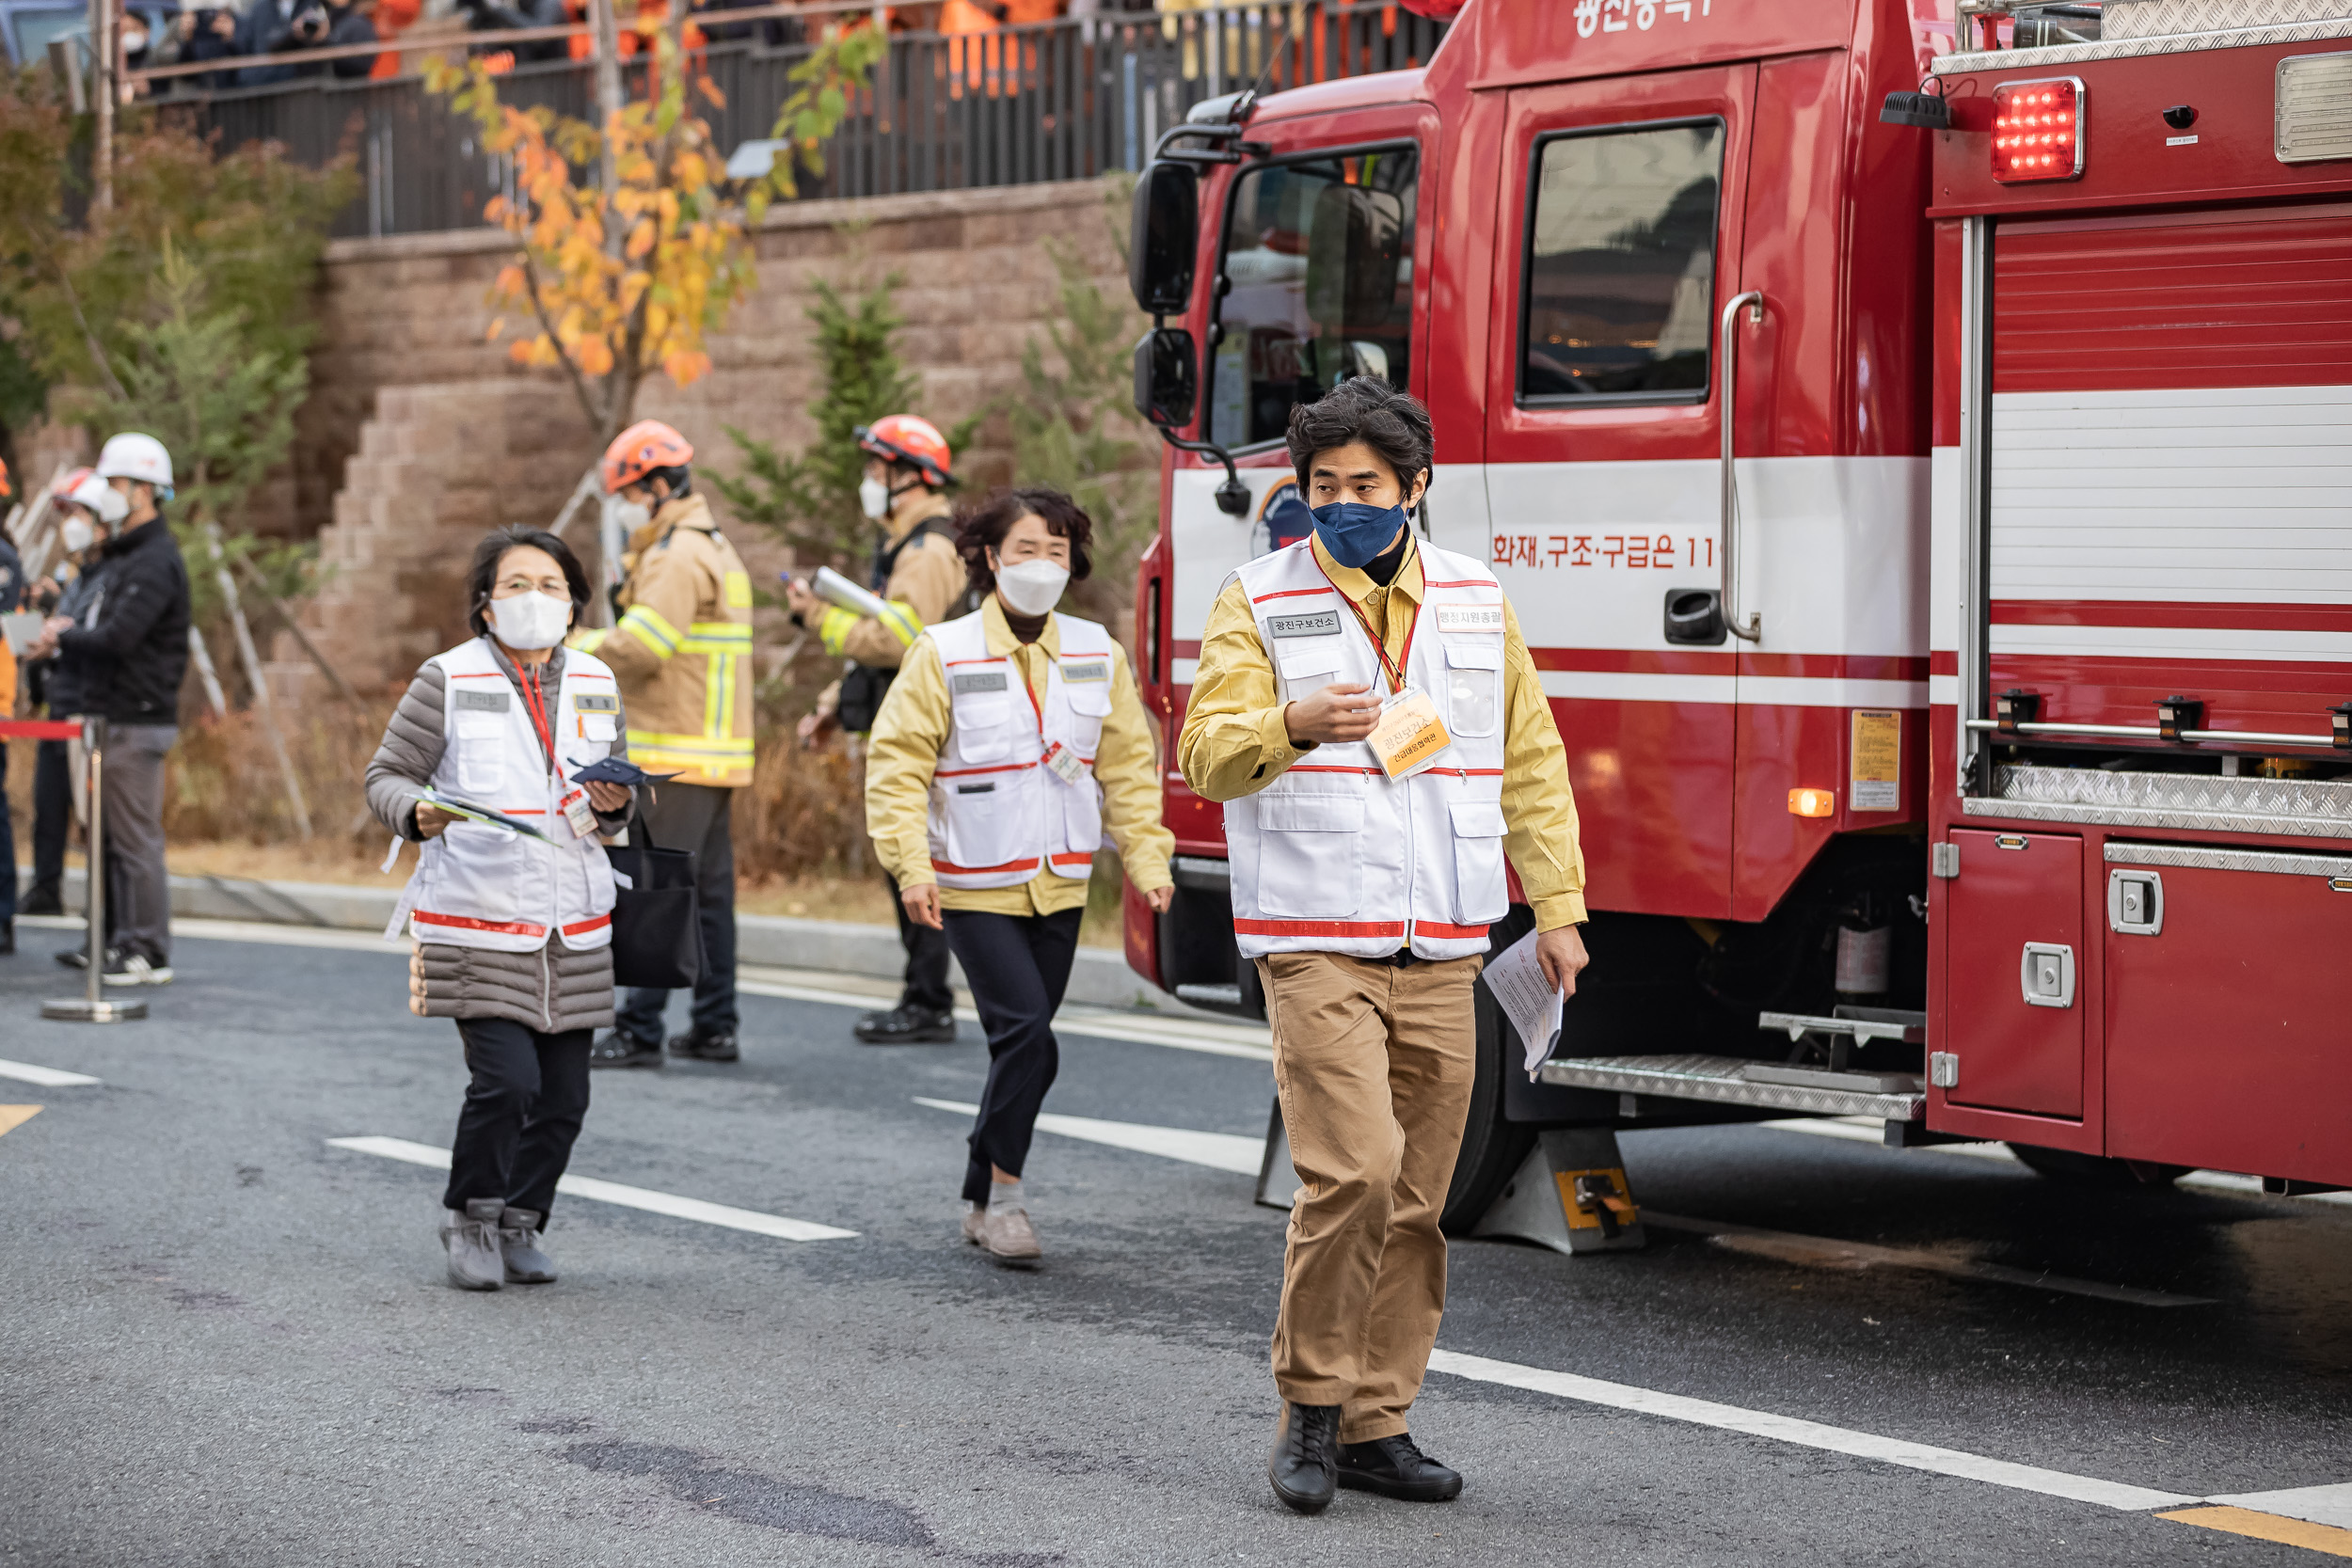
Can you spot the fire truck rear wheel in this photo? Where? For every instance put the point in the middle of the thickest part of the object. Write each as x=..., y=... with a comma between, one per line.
x=2095, y=1170
x=1493, y=1147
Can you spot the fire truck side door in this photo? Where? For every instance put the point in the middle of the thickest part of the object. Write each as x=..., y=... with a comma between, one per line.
x=2021, y=976
x=1619, y=226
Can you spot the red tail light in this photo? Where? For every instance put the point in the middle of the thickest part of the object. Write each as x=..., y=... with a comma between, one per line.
x=2037, y=130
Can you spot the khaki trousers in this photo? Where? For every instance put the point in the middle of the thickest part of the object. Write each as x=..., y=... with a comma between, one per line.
x=1374, y=1065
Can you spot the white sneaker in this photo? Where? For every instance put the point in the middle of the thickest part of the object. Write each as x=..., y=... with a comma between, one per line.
x=135, y=971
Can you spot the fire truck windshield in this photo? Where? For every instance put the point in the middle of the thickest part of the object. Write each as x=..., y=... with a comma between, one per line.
x=1621, y=273
x=1318, y=255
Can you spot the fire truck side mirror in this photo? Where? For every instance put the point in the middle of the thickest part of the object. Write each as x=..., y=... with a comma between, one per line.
x=1694, y=616
x=1166, y=233
x=1165, y=385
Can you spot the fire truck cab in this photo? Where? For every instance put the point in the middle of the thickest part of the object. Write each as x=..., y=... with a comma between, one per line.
x=1695, y=293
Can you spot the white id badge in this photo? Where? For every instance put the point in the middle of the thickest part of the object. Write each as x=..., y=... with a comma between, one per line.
x=1409, y=735
x=579, y=813
x=1064, y=762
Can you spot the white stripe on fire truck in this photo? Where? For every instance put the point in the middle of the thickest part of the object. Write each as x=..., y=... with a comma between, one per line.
x=1626, y=686
x=2173, y=642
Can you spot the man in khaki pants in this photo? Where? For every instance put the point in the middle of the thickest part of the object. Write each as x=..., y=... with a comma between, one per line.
x=1368, y=713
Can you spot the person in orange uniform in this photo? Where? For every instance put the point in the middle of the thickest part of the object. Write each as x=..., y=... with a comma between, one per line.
x=1013, y=741
x=1368, y=713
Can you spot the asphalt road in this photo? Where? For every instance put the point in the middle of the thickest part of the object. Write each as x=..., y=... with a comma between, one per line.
x=223, y=1340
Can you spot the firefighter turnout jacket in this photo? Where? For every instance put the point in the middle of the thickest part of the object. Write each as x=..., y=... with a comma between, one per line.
x=682, y=649
x=1329, y=853
x=923, y=581
x=961, y=788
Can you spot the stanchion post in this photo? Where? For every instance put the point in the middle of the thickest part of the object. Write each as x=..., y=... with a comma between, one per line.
x=92, y=1007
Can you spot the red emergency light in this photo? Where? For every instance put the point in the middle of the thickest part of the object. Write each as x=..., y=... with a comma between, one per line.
x=2037, y=130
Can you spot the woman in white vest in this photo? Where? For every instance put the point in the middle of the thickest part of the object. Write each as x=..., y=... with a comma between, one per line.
x=1011, y=743
x=513, y=918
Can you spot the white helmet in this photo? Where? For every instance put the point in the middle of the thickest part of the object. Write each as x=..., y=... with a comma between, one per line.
x=105, y=501
x=131, y=455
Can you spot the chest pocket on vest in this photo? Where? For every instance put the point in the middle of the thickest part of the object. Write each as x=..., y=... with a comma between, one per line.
x=481, y=753
x=1089, y=704
x=1308, y=859
x=1473, y=688
x=983, y=726
x=1309, y=670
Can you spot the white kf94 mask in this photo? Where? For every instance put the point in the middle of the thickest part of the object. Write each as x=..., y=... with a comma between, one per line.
x=531, y=620
x=1032, y=587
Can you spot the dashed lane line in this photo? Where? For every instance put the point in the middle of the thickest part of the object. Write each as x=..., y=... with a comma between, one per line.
x=1869, y=1130
x=613, y=1192
x=47, y=1077
x=14, y=1117
x=1217, y=1151
x=1810, y=1435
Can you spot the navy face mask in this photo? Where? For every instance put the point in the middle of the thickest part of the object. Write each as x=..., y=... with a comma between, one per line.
x=1354, y=533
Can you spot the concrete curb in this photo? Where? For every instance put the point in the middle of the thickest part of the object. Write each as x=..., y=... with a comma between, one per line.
x=1100, y=978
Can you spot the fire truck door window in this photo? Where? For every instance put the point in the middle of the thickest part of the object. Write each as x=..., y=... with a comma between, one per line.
x=1319, y=274
x=1621, y=264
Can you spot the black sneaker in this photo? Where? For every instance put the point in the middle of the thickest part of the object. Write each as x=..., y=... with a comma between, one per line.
x=622, y=1049
x=41, y=900
x=1304, y=1467
x=695, y=1046
x=78, y=958
x=1394, y=1467
x=7, y=937
x=907, y=1025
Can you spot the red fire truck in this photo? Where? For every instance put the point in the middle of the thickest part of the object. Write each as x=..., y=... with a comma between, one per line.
x=1920, y=450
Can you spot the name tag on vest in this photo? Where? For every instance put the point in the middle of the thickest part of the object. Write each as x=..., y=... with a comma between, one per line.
x=1093, y=670
x=596, y=701
x=1321, y=623
x=481, y=702
x=986, y=680
x=1469, y=617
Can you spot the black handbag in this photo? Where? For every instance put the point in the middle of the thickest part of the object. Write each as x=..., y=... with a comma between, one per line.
x=657, y=923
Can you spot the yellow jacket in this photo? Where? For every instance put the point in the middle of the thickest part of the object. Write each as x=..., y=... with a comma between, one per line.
x=1234, y=742
x=913, y=727
x=682, y=650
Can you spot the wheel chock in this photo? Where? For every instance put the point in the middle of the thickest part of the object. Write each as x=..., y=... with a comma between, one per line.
x=1570, y=1195
x=1278, y=1179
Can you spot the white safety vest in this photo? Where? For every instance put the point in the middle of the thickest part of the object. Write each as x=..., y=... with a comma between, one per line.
x=1333, y=856
x=478, y=885
x=998, y=815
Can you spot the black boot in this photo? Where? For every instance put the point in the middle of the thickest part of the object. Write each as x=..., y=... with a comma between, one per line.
x=622, y=1049
x=907, y=1025
x=1304, y=1467
x=695, y=1046
x=1394, y=1467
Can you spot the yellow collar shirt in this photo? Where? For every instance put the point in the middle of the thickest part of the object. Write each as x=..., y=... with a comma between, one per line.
x=912, y=730
x=1234, y=742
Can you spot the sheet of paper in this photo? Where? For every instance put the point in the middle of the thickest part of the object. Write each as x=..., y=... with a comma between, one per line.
x=22, y=630
x=1534, y=1007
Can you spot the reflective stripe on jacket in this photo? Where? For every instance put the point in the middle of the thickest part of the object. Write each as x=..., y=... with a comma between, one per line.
x=682, y=648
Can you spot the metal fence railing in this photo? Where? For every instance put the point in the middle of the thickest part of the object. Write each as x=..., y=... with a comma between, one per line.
x=1058, y=101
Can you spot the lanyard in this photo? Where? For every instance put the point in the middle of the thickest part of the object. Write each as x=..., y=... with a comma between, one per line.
x=1395, y=672
x=535, y=703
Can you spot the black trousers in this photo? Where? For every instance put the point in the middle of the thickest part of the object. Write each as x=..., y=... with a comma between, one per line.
x=8, y=843
x=53, y=816
x=927, y=959
x=1018, y=966
x=522, y=1112
x=694, y=817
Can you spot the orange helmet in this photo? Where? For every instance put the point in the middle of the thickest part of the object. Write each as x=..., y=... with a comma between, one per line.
x=917, y=442
x=643, y=447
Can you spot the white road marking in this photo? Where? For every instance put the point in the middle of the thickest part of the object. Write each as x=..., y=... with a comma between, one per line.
x=1811, y=1435
x=47, y=1077
x=613, y=1192
x=1217, y=1151
x=1869, y=1130
x=2313, y=1505
x=1827, y=1251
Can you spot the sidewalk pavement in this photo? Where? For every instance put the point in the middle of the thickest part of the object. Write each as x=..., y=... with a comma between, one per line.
x=1100, y=977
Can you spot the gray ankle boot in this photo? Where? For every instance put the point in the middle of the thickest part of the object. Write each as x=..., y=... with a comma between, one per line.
x=518, y=1239
x=472, y=1240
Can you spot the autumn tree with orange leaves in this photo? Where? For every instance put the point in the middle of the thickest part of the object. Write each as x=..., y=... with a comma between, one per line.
x=631, y=243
